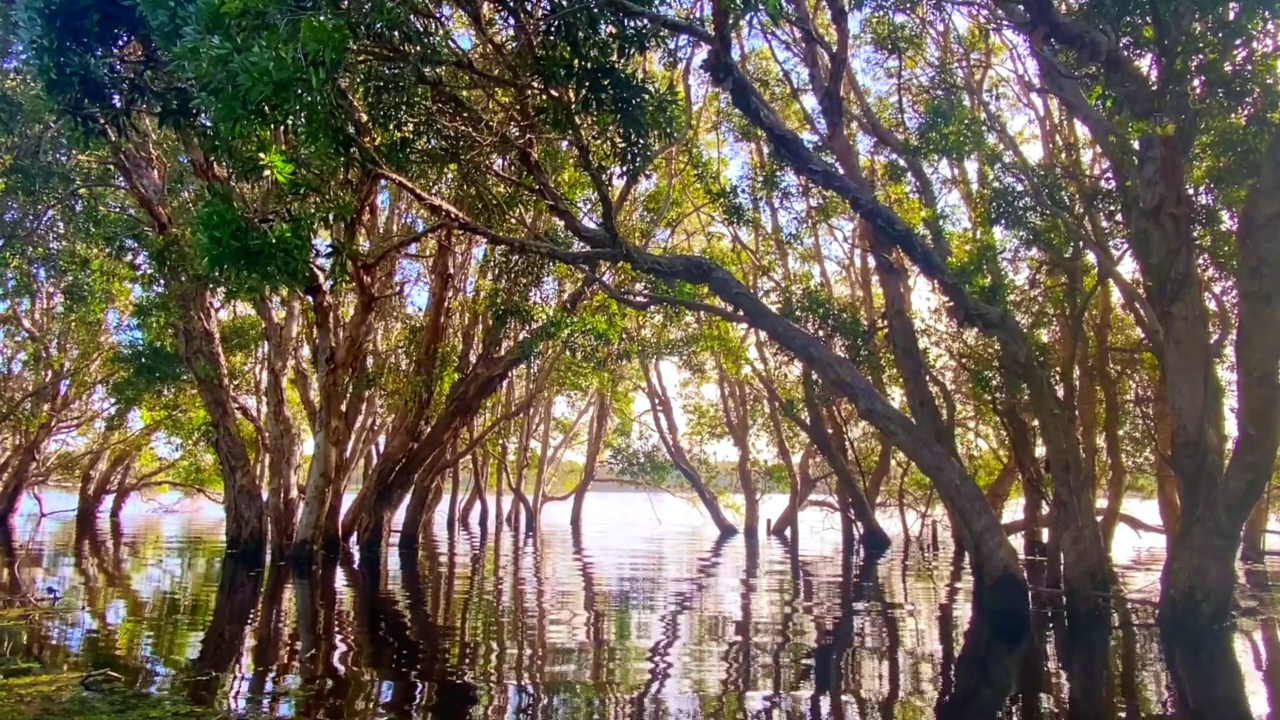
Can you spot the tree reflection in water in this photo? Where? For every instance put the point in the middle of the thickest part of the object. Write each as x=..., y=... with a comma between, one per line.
x=599, y=623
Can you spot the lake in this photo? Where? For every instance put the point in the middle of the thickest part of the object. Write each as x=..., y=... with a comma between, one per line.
x=645, y=614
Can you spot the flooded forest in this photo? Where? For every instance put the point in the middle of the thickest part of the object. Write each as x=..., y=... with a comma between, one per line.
x=642, y=359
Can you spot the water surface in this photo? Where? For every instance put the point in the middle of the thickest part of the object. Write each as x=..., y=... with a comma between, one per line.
x=645, y=614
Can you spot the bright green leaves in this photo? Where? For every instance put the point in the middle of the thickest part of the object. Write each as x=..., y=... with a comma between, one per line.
x=260, y=62
x=949, y=129
x=250, y=255
x=594, y=59
x=893, y=36
x=836, y=320
x=976, y=262
x=276, y=167
x=147, y=365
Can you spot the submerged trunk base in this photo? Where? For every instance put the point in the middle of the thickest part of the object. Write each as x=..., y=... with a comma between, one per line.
x=1005, y=605
x=1197, y=586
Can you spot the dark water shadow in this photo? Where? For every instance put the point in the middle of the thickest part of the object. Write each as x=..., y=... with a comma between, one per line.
x=326, y=687
x=239, y=584
x=1205, y=674
x=272, y=643
x=1084, y=653
x=979, y=681
x=986, y=671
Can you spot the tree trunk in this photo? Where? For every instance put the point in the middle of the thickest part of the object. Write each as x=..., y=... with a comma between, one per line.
x=22, y=465
x=544, y=460
x=479, y=381
x=1198, y=580
x=784, y=454
x=385, y=492
x=1022, y=442
x=995, y=561
x=849, y=496
x=516, y=478
x=998, y=493
x=909, y=360
x=664, y=423
x=86, y=503
x=451, y=520
x=479, y=487
x=805, y=483
x=1117, y=475
x=1166, y=478
x=119, y=500
x=733, y=403
x=595, y=445
x=1255, y=530
x=283, y=441
x=201, y=351
x=417, y=514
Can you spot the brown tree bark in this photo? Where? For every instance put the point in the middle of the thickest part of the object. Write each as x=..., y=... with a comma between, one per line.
x=1198, y=581
x=19, y=467
x=734, y=405
x=86, y=505
x=596, y=436
x=1022, y=442
x=908, y=358
x=1252, y=547
x=197, y=329
x=522, y=508
x=1088, y=574
x=418, y=512
x=833, y=450
x=283, y=441
x=97, y=480
x=386, y=490
x=1166, y=478
x=995, y=561
x=411, y=419
x=999, y=490
x=804, y=485
x=201, y=350
x=1117, y=474
x=664, y=424
x=455, y=487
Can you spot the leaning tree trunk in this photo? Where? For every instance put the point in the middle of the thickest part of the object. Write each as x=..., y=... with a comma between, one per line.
x=664, y=423
x=455, y=487
x=804, y=485
x=418, y=513
x=1089, y=572
x=201, y=351
x=595, y=445
x=733, y=402
x=199, y=345
x=1117, y=475
x=86, y=501
x=851, y=499
x=1002, y=588
x=339, y=398
x=384, y=493
x=909, y=360
x=21, y=466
